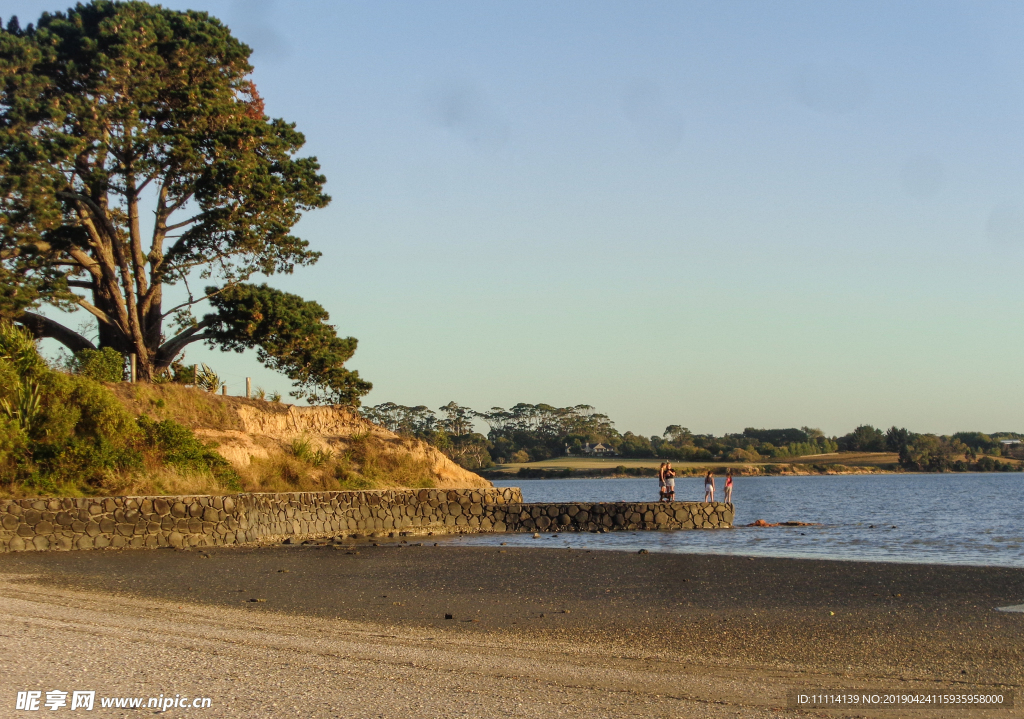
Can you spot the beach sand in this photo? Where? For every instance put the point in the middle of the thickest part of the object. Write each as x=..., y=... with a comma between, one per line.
x=360, y=630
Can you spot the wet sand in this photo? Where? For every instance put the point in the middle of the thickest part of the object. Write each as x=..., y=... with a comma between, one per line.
x=702, y=633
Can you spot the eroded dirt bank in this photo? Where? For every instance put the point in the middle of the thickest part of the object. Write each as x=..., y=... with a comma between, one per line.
x=251, y=430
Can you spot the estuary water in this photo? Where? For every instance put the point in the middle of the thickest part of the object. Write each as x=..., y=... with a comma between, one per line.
x=973, y=519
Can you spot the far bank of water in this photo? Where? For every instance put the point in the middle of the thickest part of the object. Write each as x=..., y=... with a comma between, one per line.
x=972, y=519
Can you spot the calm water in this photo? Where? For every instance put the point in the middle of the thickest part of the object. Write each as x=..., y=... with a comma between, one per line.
x=942, y=518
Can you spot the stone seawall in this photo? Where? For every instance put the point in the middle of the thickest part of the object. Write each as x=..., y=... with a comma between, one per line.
x=610, y=516
x=100, y=522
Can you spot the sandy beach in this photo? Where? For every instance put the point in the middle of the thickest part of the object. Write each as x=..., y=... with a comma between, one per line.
x=360, y=630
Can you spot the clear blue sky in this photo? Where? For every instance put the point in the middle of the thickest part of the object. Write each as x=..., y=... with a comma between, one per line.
x=717, y=214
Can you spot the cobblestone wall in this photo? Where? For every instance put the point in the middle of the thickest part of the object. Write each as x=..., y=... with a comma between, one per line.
x=96, y=523
x=612, y=516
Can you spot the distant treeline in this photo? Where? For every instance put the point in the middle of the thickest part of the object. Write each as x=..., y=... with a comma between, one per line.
x=535, y=432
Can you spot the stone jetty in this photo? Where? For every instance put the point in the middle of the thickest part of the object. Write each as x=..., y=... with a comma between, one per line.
x=201, y=521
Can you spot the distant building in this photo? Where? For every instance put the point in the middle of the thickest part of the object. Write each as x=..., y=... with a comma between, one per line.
x=599, y=450
x=1009, y=443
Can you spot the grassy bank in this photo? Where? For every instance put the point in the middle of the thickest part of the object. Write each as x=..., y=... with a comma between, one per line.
x=64, y=434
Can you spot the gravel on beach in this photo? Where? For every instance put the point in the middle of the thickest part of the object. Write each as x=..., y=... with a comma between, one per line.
x=532, y=632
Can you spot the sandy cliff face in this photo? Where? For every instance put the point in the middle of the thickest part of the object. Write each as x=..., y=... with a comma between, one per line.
x=266, y=429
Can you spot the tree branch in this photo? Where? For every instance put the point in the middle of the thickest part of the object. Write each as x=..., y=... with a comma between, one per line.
x=195, y=302
x=135, y=237
x=172, y=347
x=189, y=221
x=98, y=313
x=94, y=209
x=87, y=263
x=178, y=205
x=41, y=327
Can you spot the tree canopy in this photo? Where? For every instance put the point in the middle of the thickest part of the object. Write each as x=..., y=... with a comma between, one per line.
x=112, y=112
x=290, y=335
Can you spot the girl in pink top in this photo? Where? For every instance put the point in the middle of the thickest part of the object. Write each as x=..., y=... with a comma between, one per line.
x=728, y=487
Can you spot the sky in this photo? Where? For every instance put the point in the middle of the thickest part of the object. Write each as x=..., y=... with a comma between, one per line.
x=714, y=214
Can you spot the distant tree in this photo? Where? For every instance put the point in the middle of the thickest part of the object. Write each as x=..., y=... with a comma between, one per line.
x=863, y=439
x=931, y=453
x=776, y=436
x=634, y=445
x=458, y=420
x=542, y=430
x=896, y=438
x=743, y=455
x=813, y=433
x=677, y=435
x=419, y=422
x=472, y=451
x=978, y=441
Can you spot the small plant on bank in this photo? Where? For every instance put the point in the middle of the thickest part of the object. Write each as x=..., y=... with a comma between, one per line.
x=208, y=380
x=303, y=450
x=25, y=406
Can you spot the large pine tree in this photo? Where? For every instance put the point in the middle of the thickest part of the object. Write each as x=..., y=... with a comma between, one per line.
x=135, y=153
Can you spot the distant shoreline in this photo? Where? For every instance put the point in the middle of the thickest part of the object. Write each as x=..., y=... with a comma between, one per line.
x=777, y=470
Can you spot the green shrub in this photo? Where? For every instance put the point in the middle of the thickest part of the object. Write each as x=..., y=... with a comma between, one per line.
x=180, y=448
x=183, y=373
x=102, y=365
x=13, y=445
x=18, y=351
x=83, y=462
x=69, y=434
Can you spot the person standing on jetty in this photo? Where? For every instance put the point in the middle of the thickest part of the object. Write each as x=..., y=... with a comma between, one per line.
x=670, y=483
x=728, y=487
x=709, y=487
x=661, y=481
